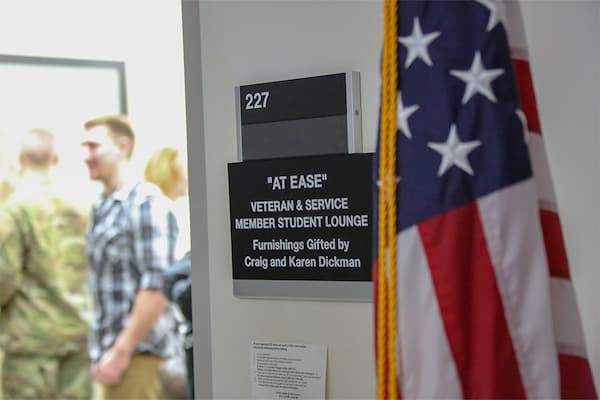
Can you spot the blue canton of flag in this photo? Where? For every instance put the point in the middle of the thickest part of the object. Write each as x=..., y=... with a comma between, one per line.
x=460, y=131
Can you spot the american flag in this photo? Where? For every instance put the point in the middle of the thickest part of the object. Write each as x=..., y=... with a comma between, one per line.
x=480, y=294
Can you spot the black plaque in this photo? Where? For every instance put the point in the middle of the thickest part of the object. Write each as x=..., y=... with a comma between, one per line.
x=314, y=97
x=299, y=117
x=302, y=219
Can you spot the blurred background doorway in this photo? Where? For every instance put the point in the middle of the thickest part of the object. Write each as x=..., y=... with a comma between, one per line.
x=65, y=61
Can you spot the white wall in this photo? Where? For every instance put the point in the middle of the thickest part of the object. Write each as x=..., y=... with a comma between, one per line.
x=255, y=41
x=247, y=42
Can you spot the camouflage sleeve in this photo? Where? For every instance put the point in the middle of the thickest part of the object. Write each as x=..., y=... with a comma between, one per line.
x=11, y=254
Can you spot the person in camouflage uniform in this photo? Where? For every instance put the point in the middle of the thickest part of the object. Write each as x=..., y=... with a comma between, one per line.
x=43, y=272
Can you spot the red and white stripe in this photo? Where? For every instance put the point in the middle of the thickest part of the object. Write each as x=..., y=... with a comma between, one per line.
x=575, y=374
x=480, y=300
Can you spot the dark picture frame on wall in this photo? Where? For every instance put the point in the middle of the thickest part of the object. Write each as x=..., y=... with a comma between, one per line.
x=92, y=66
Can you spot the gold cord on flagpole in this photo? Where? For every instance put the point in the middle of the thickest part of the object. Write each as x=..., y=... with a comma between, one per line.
x=391, y=32
x=381, y=259
x=381, y=236
x=386, y=305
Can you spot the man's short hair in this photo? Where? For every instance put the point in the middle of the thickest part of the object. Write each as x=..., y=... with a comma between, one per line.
x=118, y=126
x=37, y=148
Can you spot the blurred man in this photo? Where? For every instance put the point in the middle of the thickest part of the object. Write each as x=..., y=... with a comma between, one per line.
x=42, y=284
x=131, y=242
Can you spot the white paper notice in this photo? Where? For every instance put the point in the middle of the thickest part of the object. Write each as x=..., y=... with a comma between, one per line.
x=287, y=370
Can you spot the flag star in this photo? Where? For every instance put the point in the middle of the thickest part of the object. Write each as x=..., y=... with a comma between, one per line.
x=478, y=79
x=403, y=114
x=378, y=183
x=454, y=152
x=523, y=120
x=497, y=12
x=416, y=44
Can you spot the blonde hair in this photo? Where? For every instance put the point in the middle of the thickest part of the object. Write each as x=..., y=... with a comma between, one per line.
x=118, y=126
x=164, y=170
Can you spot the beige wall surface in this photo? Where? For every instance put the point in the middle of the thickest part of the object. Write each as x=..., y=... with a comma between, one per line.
x=256, y=41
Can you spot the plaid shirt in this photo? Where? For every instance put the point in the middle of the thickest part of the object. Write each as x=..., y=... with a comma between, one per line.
x=130, y=243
